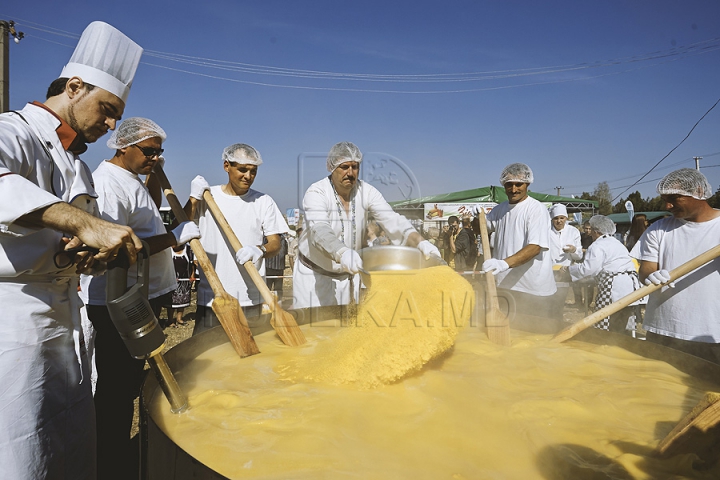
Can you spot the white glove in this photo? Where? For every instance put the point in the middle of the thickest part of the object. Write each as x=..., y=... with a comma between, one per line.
x=351, y=262
x=495, y=266
x=185, y=232
x=198, y=186
x=248, y=253
x=428, y=249
x=659, y=277
x=569, y=249
x=160, y=162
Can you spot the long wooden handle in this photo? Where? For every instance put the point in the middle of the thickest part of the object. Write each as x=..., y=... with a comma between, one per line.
x=198, y=250
x=615, y=307
x=489, y=277
x=226, y=307
x=236, y=245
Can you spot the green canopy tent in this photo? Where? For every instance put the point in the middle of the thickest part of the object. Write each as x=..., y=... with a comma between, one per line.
x=413, y=209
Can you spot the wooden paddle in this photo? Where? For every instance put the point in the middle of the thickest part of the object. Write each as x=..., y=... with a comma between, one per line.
x=497, y=323
x=615, y=307
x=695, y=431
x=225, y=306
x=283, y=322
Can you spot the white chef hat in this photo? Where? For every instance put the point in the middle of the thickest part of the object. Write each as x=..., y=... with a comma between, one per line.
x=557, y=210
x=106, y=58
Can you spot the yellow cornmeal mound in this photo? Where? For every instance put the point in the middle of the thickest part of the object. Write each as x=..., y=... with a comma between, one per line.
x=406, y=319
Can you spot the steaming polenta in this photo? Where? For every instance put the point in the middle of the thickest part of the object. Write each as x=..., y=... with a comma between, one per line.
x=479, y=411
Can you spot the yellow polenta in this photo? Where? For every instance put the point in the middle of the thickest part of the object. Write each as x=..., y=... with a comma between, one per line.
x=536, y=410
x=407, y=319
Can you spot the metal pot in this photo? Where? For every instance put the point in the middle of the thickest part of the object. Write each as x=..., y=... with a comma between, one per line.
x=395, y=257
x=162, y=459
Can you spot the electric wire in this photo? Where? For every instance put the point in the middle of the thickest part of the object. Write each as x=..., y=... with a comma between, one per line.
x=671, y=151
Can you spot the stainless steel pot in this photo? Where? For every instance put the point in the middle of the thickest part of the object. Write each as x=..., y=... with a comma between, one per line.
x=392, y=257
x=162, y=459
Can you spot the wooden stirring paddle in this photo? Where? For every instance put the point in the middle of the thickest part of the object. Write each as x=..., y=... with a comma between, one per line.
x=615, y=307
x=226, y=307
x=283, y=322
x=497, y=323
x=697, y=430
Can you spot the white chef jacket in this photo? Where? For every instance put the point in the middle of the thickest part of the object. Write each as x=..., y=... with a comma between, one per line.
x=559, y=240
x=516, y=226
x=330, y=231
x=251, y=216
x=47, y=417
x=609, y=255
x=690, y=310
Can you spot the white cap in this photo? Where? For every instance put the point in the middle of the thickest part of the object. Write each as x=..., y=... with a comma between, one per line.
x=341, y=153
x=242, y=153
x=106, y=58
x=557, y=210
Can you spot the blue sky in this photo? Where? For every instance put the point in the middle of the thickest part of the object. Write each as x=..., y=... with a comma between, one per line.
x=581, y=91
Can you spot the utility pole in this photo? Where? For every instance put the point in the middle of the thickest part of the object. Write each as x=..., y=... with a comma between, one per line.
x=7, y=29
x=558, y=190
x=697, y=163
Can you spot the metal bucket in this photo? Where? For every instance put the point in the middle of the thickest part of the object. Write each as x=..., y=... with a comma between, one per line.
x=393, y=257
x=162, y=459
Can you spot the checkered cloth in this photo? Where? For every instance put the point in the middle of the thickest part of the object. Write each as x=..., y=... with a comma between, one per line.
x=604, y=297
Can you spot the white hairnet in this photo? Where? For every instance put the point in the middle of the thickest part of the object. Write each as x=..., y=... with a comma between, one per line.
x=134, y=130
x=516, y=172
x=602, y=224
x=686, y=181
x=557, y=210
x=242, y=154
x=343, y=152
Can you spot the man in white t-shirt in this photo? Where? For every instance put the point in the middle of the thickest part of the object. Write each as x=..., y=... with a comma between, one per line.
x=521, y=259
x=123, y=199
x=252, y=215
x=683, y=314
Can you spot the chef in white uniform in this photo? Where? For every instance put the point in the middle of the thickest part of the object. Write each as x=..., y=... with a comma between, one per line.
x=609, y=263
x=47, y=419
x=336, y=212
x=565, y=249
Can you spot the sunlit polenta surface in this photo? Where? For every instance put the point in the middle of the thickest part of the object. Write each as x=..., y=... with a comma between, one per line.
x=475, y=410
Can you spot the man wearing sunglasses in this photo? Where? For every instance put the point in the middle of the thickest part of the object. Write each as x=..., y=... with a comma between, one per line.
x=124, y=199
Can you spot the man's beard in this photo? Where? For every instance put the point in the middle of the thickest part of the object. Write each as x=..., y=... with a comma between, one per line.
x=72, y=121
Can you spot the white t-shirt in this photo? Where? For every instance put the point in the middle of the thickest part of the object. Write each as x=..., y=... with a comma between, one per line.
x=251, y=217
x=691, y=310
x=124, y=200
x=516, y=226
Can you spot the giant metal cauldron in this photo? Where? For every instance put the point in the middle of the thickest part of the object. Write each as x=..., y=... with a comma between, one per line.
x=162, y=459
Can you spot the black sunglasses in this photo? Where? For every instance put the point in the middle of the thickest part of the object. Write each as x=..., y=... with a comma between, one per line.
x=150, y=152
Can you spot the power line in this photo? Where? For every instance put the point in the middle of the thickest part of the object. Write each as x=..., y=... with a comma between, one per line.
x=659, y=57
x=671, y=151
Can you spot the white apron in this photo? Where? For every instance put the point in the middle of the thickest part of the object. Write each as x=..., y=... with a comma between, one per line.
x=47, y=417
